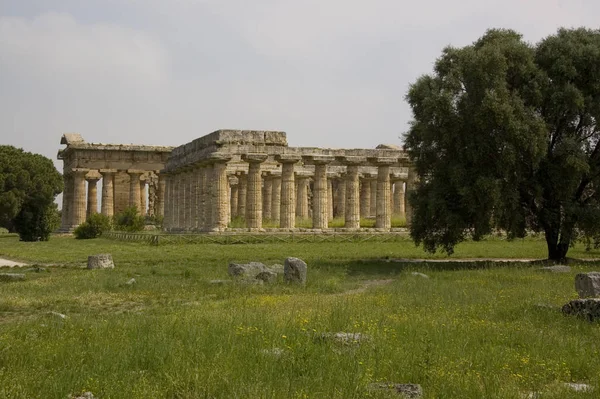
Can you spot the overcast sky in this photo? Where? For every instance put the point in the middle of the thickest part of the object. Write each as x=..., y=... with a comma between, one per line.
x=330, y=73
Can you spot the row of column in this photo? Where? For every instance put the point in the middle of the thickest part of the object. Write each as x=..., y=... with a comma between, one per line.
x=200, y=197
x=77, y=206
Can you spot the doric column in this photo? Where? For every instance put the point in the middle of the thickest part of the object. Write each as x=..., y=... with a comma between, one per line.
x=340, y=198
x=220, y=193
x=383, y=218
x=275, y=198
x=160, y=195
x=79, y=203
x=206, y=197
x=143, y=197
x=365, y=196
x=411, y=183
x=166, y=178
x=242, y=193
x=254, y=190
x=267, y=195
x=194, y=197
x=134, y=188
x=92, y=196
x=181, y=203
x=353, y=200
x=330, y=199
x=302, y=196
x=373, y=207
x=287, y=218
x=398, y=198
x=107, y=208
x=67, y=202
x=320, y=203
x=233, y=183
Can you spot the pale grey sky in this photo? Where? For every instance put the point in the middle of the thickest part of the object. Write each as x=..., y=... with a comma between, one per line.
x=331, y=73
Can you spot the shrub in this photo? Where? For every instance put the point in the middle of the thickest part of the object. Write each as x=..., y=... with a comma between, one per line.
x=93, y=227
x=3, y=230
x=129, y=220
x=35, y=222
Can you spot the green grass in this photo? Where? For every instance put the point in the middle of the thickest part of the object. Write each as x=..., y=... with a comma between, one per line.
x=460, y=334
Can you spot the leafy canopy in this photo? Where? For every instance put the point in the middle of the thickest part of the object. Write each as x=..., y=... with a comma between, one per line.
x=504, y=136
x=29, y=183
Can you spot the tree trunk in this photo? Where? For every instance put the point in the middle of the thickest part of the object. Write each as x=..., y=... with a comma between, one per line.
x=557, y=248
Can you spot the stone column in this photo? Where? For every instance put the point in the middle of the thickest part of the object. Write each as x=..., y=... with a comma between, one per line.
x=267, y=196
x=107, y=208
x=242, y=194
x=233, y=183
x=220, y=194
x=181, y=203
x=340, y=198
x=193, y=197
x=92, y=196
x=134, y=189
x=365, y=197
x=411, y=183
x=206, y=197
x=302, y=197
x=160, y=196
x=329, y=199
x=373, y=207
x=383, y=218
x=166, y=200
x=143, y=197
x=79, y=202
x=254, y=190
x=399, y=198
x=353, y=199
x=67, y=202
x=287, y=218
x=320, y=203
x=276, y=199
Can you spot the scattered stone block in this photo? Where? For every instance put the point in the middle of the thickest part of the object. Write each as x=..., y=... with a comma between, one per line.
x=578, y=387
x=59, y=315
x=295, y=270
x=588, y=308
x=344, y=338
x=419, y=274
x=588, y=284
x=246, y=270
x=555, y=269
x=102, y=261
x=131, y=282
x=275, y=352
x=268, y=276
x=8, y=277
x=219, y=282
x=409, y=391
x=85, y=395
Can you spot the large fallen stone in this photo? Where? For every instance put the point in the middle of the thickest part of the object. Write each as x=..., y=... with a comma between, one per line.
x=268, y=276
x=246, y=270
x=295, y=270
x=588, y=308
x=102, y=261
x=588, y=284
x=8, y=277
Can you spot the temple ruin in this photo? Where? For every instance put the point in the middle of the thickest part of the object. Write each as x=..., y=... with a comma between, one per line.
x=252, y=176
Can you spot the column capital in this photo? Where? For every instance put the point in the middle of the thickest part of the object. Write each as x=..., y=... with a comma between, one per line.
x=218, y=158
x=317, y=159
x=107, y=171
x=397, y=177
x=92, y=179
x=80, y=171
x=135, y=171
x=254, y=157
x=287, y=158
x=369, y=176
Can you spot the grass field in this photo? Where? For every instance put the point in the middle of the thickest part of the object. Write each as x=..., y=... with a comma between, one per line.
x=494, y=332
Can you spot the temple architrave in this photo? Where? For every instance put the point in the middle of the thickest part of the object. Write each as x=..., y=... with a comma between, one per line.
x=248, y=175
x=130, y=176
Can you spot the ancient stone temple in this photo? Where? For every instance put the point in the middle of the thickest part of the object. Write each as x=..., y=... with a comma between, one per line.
x=255, y=175
x=247, y=175
x=129, y=176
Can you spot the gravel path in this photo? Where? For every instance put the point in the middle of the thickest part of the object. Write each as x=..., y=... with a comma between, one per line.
x=10, y=263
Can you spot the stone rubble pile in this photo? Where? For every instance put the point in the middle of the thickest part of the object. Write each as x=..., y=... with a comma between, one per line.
x=293, y=271
x=587, y=306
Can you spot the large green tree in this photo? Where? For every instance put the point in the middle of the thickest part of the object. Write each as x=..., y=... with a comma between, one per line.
x=29, y=183
x=504, y=135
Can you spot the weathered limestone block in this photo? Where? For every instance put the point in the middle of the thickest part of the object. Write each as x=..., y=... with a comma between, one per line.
x=588, y=308
x=7, y=277
x=102, y=261
x=588, y=284
x=268, y=276
x=246, y=270
x=295, y=270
